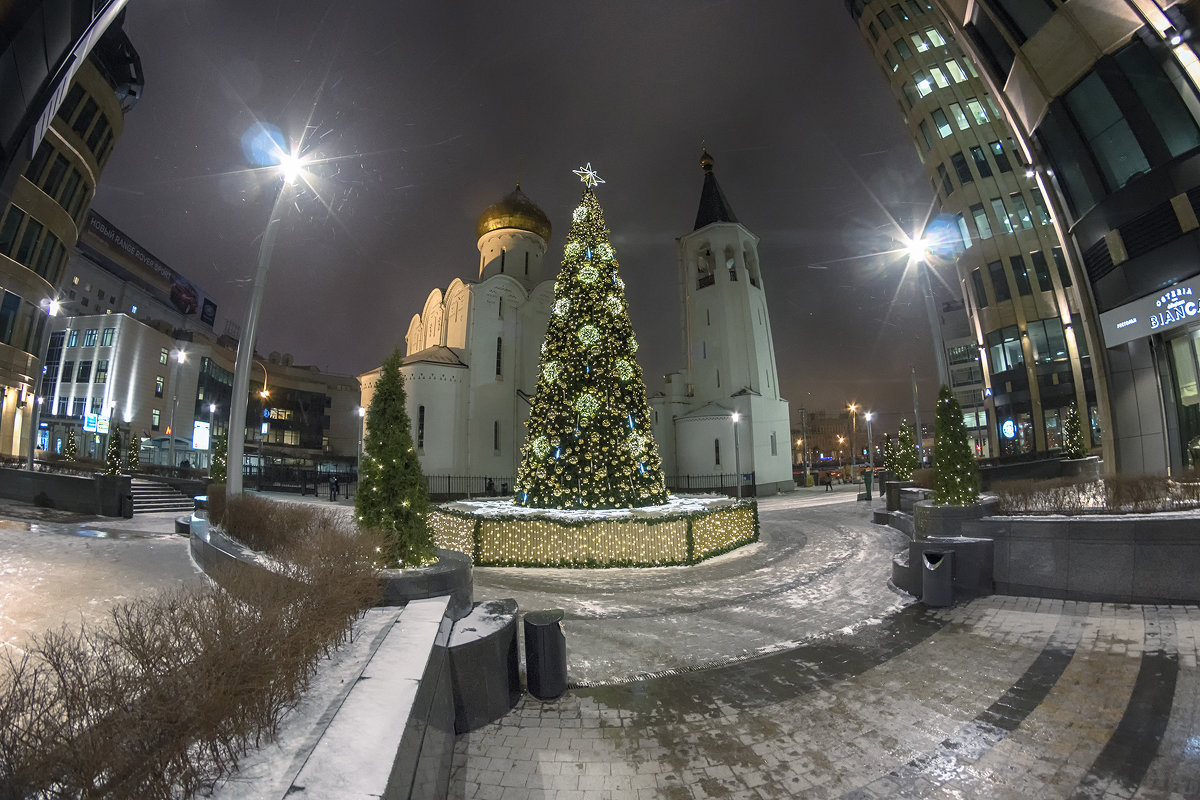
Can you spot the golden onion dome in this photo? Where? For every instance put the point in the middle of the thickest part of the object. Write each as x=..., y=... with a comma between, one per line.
x=516, y=210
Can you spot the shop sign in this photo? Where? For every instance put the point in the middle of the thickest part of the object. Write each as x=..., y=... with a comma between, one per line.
x=1151, y=314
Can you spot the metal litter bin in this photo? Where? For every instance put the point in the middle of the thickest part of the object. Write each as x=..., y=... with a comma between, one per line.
x=937, y=578
x=545, y=654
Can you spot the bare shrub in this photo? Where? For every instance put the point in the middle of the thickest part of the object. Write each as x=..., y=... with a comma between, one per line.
x=269, y=527
x=1136, y=494
x=1068, y=496
x=216, y=503
x=166, y=698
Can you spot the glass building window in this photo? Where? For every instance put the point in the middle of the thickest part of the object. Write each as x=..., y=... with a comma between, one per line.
x=421, y=427
x=101, y=370
x=956, y=71
x=1042, y=271
x=947, y=185
x=999, y=281
x=158, y=385
x=902, y=48
x=1004, y=349
x=977, y=283
x=963, y=231
x=885, y=19
x=85, y=372
x=1001, y=213
x=1020, y=276
x=1106, y=132
x=1164, y=107
x=890, y=58
x=72, y=338
x=8, y=230
x=924, y=127
x=981, y=221
x=89, y=337
x=914, y=8
x=960, y=117
x=162, y=356
x=68, y=371
x=935, y=37
x=1000, y=157
x=961, y=168
x=873, y=29
x=923, y=84
x=981, y=163
x=900, y=13
x=1061, y=263
x=943, y=124
x=977, y=111
x=155, y=419
x=1039, y=203
x=919, y=42
x=939, y=77
x=1021, y=211
x=106, y=338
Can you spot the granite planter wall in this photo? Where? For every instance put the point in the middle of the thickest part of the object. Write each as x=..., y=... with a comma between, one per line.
x=934, y=520
x=1131, y=559
x=102, y=495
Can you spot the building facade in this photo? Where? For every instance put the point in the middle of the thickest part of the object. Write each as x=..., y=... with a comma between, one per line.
x=471, y=355
x=78, y=76
x=721, y=412
x=1102, y=97
x=134, y=349
x=996, y=235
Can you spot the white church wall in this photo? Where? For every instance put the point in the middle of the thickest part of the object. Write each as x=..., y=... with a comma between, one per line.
x=457, y=304
x=435, y=402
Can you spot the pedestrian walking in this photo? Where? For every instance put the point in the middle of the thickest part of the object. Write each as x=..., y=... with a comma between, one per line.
x=491, y=488
x=333, y=488
x=829, y=481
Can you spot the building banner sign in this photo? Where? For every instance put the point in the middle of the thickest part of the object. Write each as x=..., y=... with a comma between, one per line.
x=1153, y=313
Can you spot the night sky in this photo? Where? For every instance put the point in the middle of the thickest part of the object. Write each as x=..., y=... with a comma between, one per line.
x=429, y=112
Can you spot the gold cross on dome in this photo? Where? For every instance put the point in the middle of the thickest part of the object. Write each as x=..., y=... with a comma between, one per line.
x=588, y=175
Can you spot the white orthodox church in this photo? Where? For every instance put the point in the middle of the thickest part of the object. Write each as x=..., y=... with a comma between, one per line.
x=471, y=355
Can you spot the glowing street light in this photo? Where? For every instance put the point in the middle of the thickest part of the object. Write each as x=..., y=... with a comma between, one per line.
x=868, y=416
x=180, y=359
x=268, y=146
x=853, y=410
x=52, y=308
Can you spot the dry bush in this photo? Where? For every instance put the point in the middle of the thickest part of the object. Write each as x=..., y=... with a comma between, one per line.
x=1136, y=494
x=216, y=503
x=269, y=527
x=165, y=699
x=1055, y=496
x=922, y=478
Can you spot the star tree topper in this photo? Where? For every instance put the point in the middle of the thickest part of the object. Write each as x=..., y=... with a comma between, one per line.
x=588, y=175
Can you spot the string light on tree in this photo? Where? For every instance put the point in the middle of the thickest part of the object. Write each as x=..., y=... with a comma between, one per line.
x=590, y=386
x=955, y=481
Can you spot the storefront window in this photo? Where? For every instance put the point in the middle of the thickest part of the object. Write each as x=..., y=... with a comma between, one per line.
x=1187, y=396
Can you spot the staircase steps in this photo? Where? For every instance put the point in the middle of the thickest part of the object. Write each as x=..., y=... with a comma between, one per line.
x=150, y=497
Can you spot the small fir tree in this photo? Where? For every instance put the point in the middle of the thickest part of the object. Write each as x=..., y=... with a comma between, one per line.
x=1074, y=445
x=907, y=459
x=588, y=443
x=112, y=456
x=71, y=450
x=392, y=495
x=889, y=454
x=955, y=478
x=133, y=455
x=218, y=465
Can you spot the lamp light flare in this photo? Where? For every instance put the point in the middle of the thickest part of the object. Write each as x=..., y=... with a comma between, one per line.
x=290, y=167
x=918, y=249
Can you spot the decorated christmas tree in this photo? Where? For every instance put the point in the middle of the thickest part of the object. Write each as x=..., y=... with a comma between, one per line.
x=133, y=457
x=391, y=495
x=218, y=469
x=955, y=479
x=112, y=456
x=71, y=449
x=1074, y=445
x=588, y=443
x=907, y=457
x=889, y=454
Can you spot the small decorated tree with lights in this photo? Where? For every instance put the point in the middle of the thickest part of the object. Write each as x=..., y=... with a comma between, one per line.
x=71, y=449
x=392, y=496
x=112, y=455
x=218, y=468
x=906, y=457
x=133, y=454
x=889, y=455
x=588, y=443
x=955, y=479
x=1074, y=445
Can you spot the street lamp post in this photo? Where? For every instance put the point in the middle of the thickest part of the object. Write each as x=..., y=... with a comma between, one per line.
x=737, y=456
x=362, y=413
x=212, y=407
x=870, y=450
x=289, y=170
x=51, y=311
x=180, y=357
x=853, y=409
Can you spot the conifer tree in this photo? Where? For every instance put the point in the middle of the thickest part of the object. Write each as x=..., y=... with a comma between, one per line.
x=133, y=456
x=71, y=449
x=588, y=443
x=889, y=454
x=218, y=468
x=955, y=478
x=1074, y=445
x=906, y=457
x=392, y=495
x=112, y=455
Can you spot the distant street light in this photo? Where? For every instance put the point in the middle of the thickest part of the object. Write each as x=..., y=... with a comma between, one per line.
x=853, y=409
x=289, y=166
x=870, y=449
x=180, y=358
x=362, y=413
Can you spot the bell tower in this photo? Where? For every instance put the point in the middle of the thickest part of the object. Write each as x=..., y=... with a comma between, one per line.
x=728, y=355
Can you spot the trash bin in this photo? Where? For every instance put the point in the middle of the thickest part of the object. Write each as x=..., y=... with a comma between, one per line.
x=937, y=578
x=127, y=506
x=545, y=654
x=867, y=482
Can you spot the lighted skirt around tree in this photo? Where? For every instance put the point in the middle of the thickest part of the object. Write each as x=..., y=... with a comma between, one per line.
x=685, y=530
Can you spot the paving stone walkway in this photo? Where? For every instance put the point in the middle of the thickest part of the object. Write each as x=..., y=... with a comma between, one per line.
x=1000, y=697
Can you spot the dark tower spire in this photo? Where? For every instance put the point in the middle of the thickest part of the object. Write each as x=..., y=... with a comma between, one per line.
x=713, y=205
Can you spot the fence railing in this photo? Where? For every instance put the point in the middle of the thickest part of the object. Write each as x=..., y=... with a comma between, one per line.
x=725, y=484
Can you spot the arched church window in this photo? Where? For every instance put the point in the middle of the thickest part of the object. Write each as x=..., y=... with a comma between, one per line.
x=731, y=263
x=717, y=451
x=503, y=253
x=751, y=266
x=499, y=355
x=704, y=268
x=421, y=427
